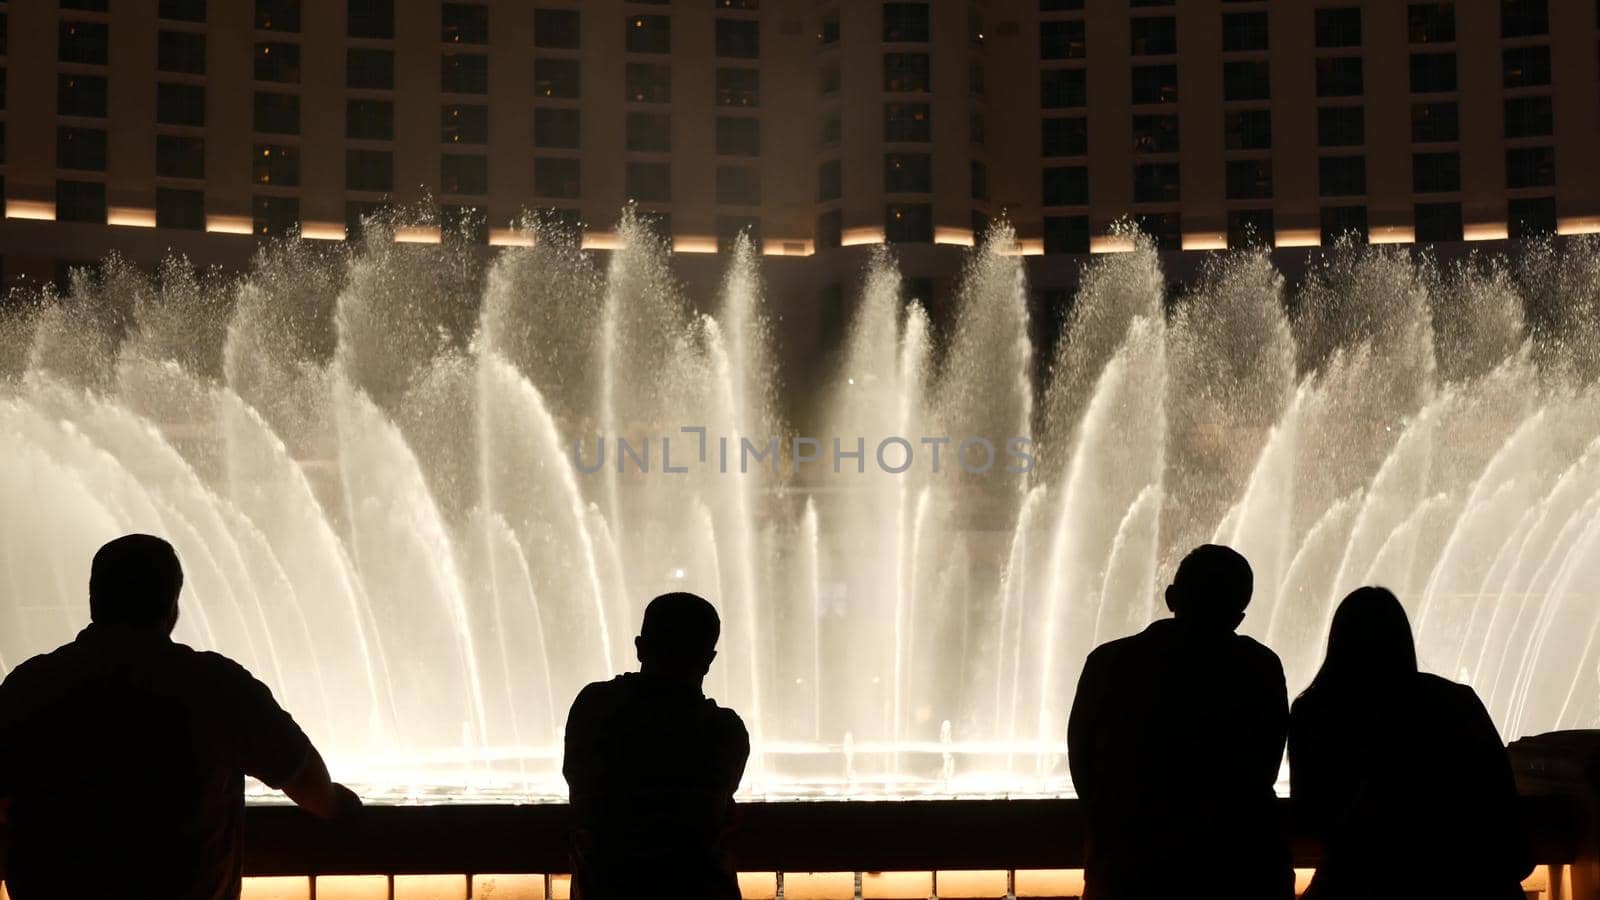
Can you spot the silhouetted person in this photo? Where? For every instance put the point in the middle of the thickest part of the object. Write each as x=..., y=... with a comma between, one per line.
x=123, y=754
x=652, y=764
x=1401, y=774
x=1175, y=742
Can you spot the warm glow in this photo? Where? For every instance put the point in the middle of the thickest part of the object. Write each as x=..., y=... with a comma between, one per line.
x=1538, y=881
x=1299, y=237
x=781, y=247
x=1485, y=231
x=1049, y=883
x=509, y=237
x=42, y=210
x=856, y=237
x=758, y=885
x=352, y=887
x=1032, y=246
x=896, y=885
x=1302, y=880
x=229, y=224
x=1569, y=225
x=1392, y=234
x=970, y=885
x=1111, y=243
x=960, y=237
x=430, y=887
x=601, y=240
x=322, y=231
x=131, y=216
x=560, y=887
x=694, y=244
x=819, y=885
x=294, y=887
x=417, y=234
x=1205, y=240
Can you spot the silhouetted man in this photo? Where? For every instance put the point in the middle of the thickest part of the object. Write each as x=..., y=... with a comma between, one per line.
x=123, y=754
x=1175, y=741
x=652, y=764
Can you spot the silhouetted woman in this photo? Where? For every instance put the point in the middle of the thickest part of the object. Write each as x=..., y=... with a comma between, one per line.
x=1401, y=774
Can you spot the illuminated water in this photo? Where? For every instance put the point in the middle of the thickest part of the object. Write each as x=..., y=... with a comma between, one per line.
x=364, y=458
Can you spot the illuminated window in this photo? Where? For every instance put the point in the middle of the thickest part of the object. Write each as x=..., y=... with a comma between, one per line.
x=278, y=15
x=1154, y=134
x=557, y=128
x=739, y=87
x=278, y=62
x=907, y=173
x=559, y=78
x=464, y=73
x=275, y=216
x=468, y=123
x=906, y=73
x=649, y=34
x=464, y=23
x=1526, y=66
x=369, y=170
x=369, y=120
x=83, y=42
x=275, y=165
x=368, y=68
x=647, y=82
x=180, y=156
x=81, y=95
x=908, y=223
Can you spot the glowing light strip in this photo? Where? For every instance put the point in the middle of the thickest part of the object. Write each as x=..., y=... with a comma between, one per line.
x=1485, y=231
x=1110, y=243
x=972, y=883
x=509, y=237
x=856, y=237
x=694, y=244
x=600, y=240
x=38, y=210
x=896, y=885
x=782, y=247
x=1205, y=240
x=1569, y=225
x=131, y=216
x=1392, y=234
x=959, y=237
x=229, y=224
x=416, y=234
x=1299, y=237
x=322, y=231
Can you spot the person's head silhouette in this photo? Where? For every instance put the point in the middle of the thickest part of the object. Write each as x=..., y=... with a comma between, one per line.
x=135, y=580
x=1211, y=588
x=1369, y=642
x=679, y=637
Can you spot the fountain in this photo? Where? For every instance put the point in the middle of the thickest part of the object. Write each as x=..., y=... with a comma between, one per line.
x=425, y=496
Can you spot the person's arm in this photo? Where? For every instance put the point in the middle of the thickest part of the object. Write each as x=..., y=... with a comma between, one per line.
x=271, y=747
x=314, y=791
x=1083, y=726
x=1491, y=766
x=1274, y=722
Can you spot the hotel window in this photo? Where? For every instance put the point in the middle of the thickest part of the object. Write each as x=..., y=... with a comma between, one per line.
x=830, y=181
x=83, y=42
x=1155, y=84
x=1434, y=123
x=81, y=95
x=649, y=34
x=1153, y=36
x=278, y=62
x=1155, y=183
x=81, y=148
x=1433, y=73
x=646, y=132
x=645, y=82
x=1437, y=222
x=1341, y=126
x=81, y=201
x=1166, y=229
x=277, y=113
x=1530, y=216
x=1066, y=234
x=828, y=79
x=1247, y=130
x=180, y=104
x=907, y=173
x=1063, y=88
x=356, y=215
x=1246, y=81
x=830, y=228
x=1524, y=18
x=1155, y=134
x=1339, y=76
x=87, y=5
x=182, y=10
x=555, y=128
x=1068, y=136
x=828, y=29
x=975, y=80
x=908, y=223
x=275, y=216
x=906, y=73
x=278, y=15
x=463, y=224
x=905, y=23
x=1529, y=117
x=907, y=123
x=978, y=172
x=370, y=69
x=730, y=227
x=649, y=182
x=1248, y=179
x=556, y=177
x=180, y=209
x=1526, y=66
x=275, y=165
x=557, y=29
x=1065, y=186
x=1434, y=173
x=746, y=5
x=180, y=157
x=829, y=130
x=460, y=174
x=738, y=186
x=1062, y=39
x=738, y=38
x=1344, y=222
x=562, y=225
x=369, y=120
x=464, y=23
x=739, y=87
x=1431, y=23
x=464, y=73
x=558, y=78
x=1060, y=5
x=1250, y=228
x=1342, y=176
x=738, y=136
x=370, y=19
x=980, y=225
x=1530, y=167
x=181, y=51
x=1339, y=27
x=1247, y=31
x=369, y=170
x=467, y=123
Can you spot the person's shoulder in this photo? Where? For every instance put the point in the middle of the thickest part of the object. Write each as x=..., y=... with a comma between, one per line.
x=1117, y=647
x=1438, y=689
x=1256, y=652
x=728, y=721
x=213, y=671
